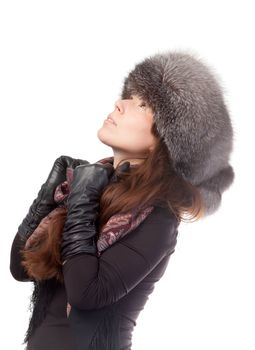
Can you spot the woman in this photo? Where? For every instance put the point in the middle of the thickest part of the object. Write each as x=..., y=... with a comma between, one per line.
x=98, y=236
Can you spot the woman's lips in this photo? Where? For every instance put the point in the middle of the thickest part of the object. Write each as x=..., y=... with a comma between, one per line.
x=109, y=121
x=109, y=117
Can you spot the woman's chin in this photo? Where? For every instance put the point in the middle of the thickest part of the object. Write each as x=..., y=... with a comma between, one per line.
x=103, y=137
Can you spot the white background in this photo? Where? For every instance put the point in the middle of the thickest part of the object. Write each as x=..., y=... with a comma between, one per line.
x=62, y=68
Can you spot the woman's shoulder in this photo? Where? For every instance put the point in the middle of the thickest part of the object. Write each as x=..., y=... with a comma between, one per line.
x=163, y=210
x=154, y=236
x=162, y=220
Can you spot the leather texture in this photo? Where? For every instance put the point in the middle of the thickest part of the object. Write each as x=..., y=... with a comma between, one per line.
x=79, y=230
x=44, y=203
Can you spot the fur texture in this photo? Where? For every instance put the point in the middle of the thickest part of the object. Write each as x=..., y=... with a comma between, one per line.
x=191, y=117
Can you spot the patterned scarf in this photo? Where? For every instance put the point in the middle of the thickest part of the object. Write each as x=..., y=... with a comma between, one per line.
x=116, y=227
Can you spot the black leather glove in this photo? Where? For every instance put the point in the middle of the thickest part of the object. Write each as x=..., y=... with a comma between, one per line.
x=44, y=203
x=83, y=208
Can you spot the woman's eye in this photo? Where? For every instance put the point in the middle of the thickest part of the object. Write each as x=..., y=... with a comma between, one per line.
x=142, y=105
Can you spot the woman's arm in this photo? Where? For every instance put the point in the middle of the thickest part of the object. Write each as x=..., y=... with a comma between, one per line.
x=93, y=282
x=41, y=206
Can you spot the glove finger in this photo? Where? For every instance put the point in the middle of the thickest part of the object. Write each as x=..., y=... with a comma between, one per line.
x=125, y=166
x=81, y=161
x=65, y=161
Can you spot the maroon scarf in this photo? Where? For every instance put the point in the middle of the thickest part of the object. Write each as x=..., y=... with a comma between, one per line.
x=116, y=227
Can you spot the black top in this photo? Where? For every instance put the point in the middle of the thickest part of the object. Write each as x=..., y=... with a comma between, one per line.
x=118, y=282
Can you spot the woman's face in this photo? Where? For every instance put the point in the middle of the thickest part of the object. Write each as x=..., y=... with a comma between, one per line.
x=131, y=136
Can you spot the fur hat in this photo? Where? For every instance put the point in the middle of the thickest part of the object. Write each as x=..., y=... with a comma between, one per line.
x=190, y=116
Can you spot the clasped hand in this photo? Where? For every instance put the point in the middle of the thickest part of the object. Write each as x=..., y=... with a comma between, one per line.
x=92, y=178
x=79, y=231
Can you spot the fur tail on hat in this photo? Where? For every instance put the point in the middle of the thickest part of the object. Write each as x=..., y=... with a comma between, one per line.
x=212, y=189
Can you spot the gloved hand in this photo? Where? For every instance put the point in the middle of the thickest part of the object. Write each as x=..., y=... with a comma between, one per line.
x=83, y=201
x=44, y=203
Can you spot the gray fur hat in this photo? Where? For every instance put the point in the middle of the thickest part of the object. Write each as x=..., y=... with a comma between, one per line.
x=191, y=117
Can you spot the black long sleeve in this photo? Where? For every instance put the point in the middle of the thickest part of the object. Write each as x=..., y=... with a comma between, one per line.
x=104, y=280
x=17, y=270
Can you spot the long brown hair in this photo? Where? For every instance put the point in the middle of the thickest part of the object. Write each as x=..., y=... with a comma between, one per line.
x=153, y=181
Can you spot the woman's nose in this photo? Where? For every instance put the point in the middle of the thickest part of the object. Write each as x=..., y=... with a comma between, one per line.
x=119, y=106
